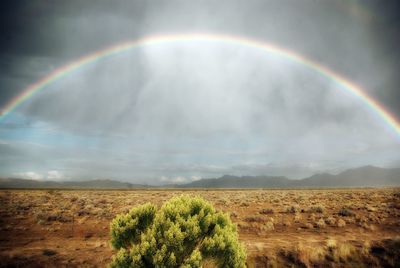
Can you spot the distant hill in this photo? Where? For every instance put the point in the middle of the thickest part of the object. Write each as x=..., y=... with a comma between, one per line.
x=368, y=176
x=91, y=184
x=228, y=181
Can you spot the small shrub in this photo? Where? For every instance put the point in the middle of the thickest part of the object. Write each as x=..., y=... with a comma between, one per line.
x=254, y=219
x=307, y=226
x=343, y=252
x=317, y=209
x=83, y=212
x=367, y=226
x=346, y=212
x=269, y=226
x=330, y=221
x=44, y=218
x=321, y=223
x=244, y=204
x=182, y=233
x=331, y=244
x=292, y=209
x=297, y=218
x=341, y=223
x=302, y=256
x=267, y=211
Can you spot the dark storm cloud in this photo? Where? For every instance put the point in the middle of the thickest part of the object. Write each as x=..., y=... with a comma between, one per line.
x=385, y=32
x=332, y=32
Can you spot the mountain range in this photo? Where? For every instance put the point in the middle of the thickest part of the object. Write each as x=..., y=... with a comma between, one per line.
x=367, y=176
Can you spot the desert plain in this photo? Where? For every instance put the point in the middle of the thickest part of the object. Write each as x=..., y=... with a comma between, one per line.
x=279, y=228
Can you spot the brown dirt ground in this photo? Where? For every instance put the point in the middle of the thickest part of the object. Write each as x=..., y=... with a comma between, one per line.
x=47, y=228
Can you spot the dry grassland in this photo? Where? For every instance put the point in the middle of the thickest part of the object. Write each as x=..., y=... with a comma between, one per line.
x=279, y=228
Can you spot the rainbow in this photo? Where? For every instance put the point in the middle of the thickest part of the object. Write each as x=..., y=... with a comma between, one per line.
x=65, y=70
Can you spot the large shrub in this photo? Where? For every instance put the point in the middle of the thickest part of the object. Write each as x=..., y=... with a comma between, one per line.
x=182, y=233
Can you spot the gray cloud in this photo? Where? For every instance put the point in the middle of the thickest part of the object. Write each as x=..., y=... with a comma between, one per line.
x=184, y=110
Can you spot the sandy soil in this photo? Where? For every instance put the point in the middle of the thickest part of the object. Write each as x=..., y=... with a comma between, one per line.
x=47, y=228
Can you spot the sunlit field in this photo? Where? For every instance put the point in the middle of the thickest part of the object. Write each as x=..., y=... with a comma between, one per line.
x=304, y=228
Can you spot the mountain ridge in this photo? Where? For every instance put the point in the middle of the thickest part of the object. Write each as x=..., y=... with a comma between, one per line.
x=367, y=176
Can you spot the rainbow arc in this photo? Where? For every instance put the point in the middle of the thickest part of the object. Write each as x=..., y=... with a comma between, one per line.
x=74, y=66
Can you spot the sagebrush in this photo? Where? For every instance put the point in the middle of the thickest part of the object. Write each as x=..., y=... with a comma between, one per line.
x=184, y=232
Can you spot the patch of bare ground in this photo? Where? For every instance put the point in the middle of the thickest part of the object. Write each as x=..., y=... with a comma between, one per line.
x=280, y=228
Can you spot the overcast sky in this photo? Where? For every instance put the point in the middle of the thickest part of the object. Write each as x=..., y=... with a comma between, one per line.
x=181, y=111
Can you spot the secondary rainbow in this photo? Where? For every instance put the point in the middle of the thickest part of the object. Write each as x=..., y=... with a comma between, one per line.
x=344, y=83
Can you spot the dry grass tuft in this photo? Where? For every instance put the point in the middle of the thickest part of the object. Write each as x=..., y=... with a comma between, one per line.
x=341, y=223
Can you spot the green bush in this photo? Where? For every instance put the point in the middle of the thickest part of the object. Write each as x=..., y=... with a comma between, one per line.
x=182, y=233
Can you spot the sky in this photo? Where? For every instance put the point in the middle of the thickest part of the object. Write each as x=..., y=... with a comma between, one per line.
x=178, y=112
